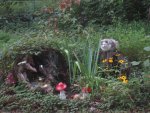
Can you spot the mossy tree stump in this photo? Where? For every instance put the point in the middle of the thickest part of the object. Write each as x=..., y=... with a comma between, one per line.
x=44, y=70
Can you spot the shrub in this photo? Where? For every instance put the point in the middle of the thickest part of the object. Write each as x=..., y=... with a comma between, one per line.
x=109, y=11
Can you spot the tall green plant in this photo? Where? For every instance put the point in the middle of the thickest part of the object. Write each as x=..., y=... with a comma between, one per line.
x=86, y=67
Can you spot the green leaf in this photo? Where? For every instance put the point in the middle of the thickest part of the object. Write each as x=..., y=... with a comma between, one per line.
x=1, y=54
x=135, y=63
x=146, y=63
x=147, y=48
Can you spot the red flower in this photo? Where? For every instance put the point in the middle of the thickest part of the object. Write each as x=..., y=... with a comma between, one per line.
x=10, y=79
x=62, y=6
x=86, y=90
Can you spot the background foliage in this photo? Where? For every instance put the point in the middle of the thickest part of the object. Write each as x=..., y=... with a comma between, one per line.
x=95, y=11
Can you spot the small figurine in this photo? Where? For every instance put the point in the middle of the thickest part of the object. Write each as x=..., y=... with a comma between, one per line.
x=112, y=60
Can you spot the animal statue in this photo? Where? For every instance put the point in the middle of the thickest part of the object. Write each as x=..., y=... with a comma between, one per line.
x=112, y=60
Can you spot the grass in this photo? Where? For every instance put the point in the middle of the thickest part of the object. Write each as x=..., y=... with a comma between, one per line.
x=6, y=38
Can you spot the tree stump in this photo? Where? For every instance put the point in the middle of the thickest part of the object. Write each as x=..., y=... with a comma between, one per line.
x=44, y=70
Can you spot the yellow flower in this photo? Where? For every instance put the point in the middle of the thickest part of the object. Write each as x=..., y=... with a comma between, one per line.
x=110, y=60
x=121, y=61
x=117, y=54
x=105, y=60
x=123, y=77
x=125, y=81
